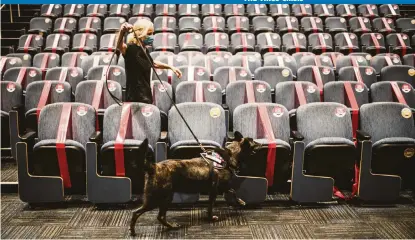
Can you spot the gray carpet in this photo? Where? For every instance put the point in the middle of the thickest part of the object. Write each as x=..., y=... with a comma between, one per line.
x=8, y=171
x=277, y=218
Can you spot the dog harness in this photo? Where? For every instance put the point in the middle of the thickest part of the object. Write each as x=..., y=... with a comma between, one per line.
x=215, y=159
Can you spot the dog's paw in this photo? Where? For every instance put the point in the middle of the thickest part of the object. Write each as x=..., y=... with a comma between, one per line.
x=132, y=233
x=174, y=225
x=214, y=218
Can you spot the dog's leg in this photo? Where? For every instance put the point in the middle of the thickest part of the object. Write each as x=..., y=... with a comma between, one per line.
x=163, y=211
x=136, y=214
x=212, y=197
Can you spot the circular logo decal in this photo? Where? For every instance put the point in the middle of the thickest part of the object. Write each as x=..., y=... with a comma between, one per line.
x=352, y=36
x=53, y=57
x=147, y=111
x=285, y=73
x=249, y=36
x=360, y=59
x=111, y=86
x=196, y=20
x=214, y=112
x=395, y=60
x=171, y=36
x=12, y=61
x=274, y=36
x=32, y=73
x=47, y=20
x=116, y=72
x=373, y=7
x=81, y=110
x=351, y=6
x=223, y=36
x=64, y=38
x=71, y=21
x=197, y=36
x=366, y=20
x=389, y=21
x=378, y=36
x=171, y=20
x=406, y=113
x=125, y=6
x=342, y=20
x=11, y=87
x=277, y=112
x=217, y=6
x=368, y=57
x=59, y=88
x=57, y=6
x=404, y=37
x=200, y=72
x=243, y=19
x=270, y=19
x=26, y=57
x=413, y=21
x=219, y=20
x=243, y=73
x=91, y=36
x=293, y=19
x=411, y=72
x=79, y=6
x=409, y=152
x=326, y=71
x=95, y=20
x=37, y=38
x=330, y=6
x=369, y=71
x=159, y=71
x=122, y=20
x=406, y=88
x=260, y=88
x=326, y=36
x=359, y=87
x=101, y=6
x=318, y=20
x=300, y=36
x=311, y=89
x=340, y=112
x=395, y=6
x=211, y=87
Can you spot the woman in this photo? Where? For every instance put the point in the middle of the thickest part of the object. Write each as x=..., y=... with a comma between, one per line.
x=137, y=66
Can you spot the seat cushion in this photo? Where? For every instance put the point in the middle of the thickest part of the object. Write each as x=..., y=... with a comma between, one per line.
x=395, y=140
x=279, y=142
x=194, y=143
x=330, y=141
x=52, y=142
x=127, y=143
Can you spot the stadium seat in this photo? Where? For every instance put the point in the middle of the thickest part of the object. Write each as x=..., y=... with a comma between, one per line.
x=243, y=42
x=141, y=10
x=255, y=10
x=278, y=10
x=287, y=24
x=346, y=42
x=65, y=25
x=362, y=74
x=165, y=10
x=398, y=91
x=383, y=25
x=72, y=75
x=190, y=41
x=409, y=59
x=360, y=25
x=263, y=24
x=368, y=10
x=40, y=25
x=273, y=75
x=30, y=43
x=346, y=10
x=11, y=98
x=51, y=10
x=250, y=63
x=187, y=10
x=162, y=101
x=300, y=55
x=211, y=10
x=230, y=10
x=164, y=24
x=335, y=25
x=398, y=73
x=275, y=59
x=189, y=24
x=355, y=61
x=406, y=25
x=226, y=75
x=24, y=57
x=373, y=43
x=294, y=42
x=73, y=59
x=190, y=73
x=312, y=25
x=210, y=62
x=119, y=10
x=57, y=43
x=339, y=92
x=164, y=42
x=45, y=61
x=213, y=24
x=302, y=10
x=200, y=91
x=324, y=10
x=237, y=24
x=379, y=61
x=320, y=42
x=317, y=75
x=91, y=61
x=113, y=24
x=107, y=42
x=84, y=42
x=89, y=25
x=96, y=10
x=216, y=41
x=389, y=10
x=116, y=73
x=74, y=10
x=23, y=75
x=9, y=62
x=268, y=42
x=399, y=43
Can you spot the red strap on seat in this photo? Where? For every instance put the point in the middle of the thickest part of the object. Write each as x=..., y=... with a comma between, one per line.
x=318, y=80
x=398, y=93
x=356, y=69
x=272, y=146
x=118, y=12
x=104, y=75
x=244, y=42
x=317, y=61
x=333, y=59
x=385, y=22
x=322, y=42
x=303, y=11
x=141, y=10
x=95, y=10
x=279, y=9
x=235, y=9
x=164, y=24
x=216, y=36
x=301, y=100
x=64, y=131
x=214, y=24
x=391, y=9
x=125, y=131
x=199, y=94
x=402, y=43
x=96, y=61
x=82, y=42
x=207, y=64
x=257, y=11
x=375, y=42
x=63, y=75
x=280, y=60
x=250, y=95
x=346, y=7
x=295, y=41
x=388, y=61
x=191, y=73
x=362, y=24
x=22, y=75
x=153, y=90
x=348, y=41
x=211, y=9
x=353, y=105
x=44, y=97
x=55, y=42
x=88, y=24
x=169, y=72
x=165, y=9
x=288, y=22
x=231, y=75
x=27, y=43
x=2, y=63
x=269, y=42
x=62, y=26
x=238, y=24
x=97, y=98
x=164, y=41
x=188, y=9
x=313, y=24
x=50, y=9
x=186, y=39
x=74, y=59
x=369, y=10
x=111, y=42
x=325, y=10
x=72, y=10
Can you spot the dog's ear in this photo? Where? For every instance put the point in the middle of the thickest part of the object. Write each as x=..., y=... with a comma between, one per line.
x=238, y=136
x=246, y=144
x=143, y=147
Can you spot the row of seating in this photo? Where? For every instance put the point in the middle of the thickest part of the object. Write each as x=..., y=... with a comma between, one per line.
x=183, y=10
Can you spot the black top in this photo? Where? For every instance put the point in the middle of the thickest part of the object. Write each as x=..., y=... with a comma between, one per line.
x=138, y=70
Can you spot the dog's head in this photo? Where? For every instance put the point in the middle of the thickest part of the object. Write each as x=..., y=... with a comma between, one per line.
x=143, y=156
x=241, y=149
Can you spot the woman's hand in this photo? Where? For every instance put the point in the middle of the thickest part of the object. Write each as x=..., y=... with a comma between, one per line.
x=125, y=27
x=176, y=71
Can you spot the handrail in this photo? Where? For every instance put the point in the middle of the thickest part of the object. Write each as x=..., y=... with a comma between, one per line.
x=2, y=6
x=11, y=13
x=18, y=9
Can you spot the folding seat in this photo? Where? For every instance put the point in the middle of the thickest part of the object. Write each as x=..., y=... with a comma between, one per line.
x=373, y=43
x=398, y=73
x=165, y=9
x=335, y=25
x=45, y=61
x=190, y=73
x=51, y=10
x=320, y=42
x=40, y=25
x=278, y=10
x=119, y=10
x=73, y=59
x=74, y=10
x=30, y=43
x=327, y=131
x=355, y=61
x=165, y=42
x=190, y=55
x=57, y=43
x=241, y=92
x=89, y=25
x=333, y=57
x=65, y=25
x=399, y=43
x=294, y=42
x=389, y=10
x=346, y=42
x=363, y=74
x=398, y=91
x=409, y=59
x=91, y=61
x=380, y=61
x=365, y=55
x=226, y=75
x=222, y=54
x=134, y=20
x=237, y=24
x=72, y=75
x=162, y=101
x=268, y=124
x=384, y=25
x=84, y=42
x=216, y=41
x=243, y=42
x=360, y=25
x=315, y=60
x=211, y=10
x=115, y=73
x=287, y=24
x=298, y=56
x=368, y=10
x=324, y=10
x=156, y=54
x=142, y=10
x=263, y=24
x=250, y=54
x=317, y=75
x=187, y=10
x=11, y=99
x=254, y=10
x=190, y=41
x=312, y=25
x=189, y=24
x=250, y=63
x=406, y=25
x=210, y=62
x=164, y=24
x=113, y=24
x=23, y=75
x=200, y=91
x=233, y=10
x=268, y=42
x=346, y=10
x=302, y=10
x=96, y=10
x=108, y=54
x=96, y=94
x=281, y=61
x=172, y=60
x=25, y=58
x=391, y=162
x=213, y=24
x=9, y=62
x=108, y=42
x=273, y=75
x=351, y=94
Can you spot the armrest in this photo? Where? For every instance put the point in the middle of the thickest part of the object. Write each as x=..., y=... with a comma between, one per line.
x=297, y=136
x=28, y=136
x=96, y=137
x=362, y=135
x=225, y=106
x=230, y=136
x=163, y=137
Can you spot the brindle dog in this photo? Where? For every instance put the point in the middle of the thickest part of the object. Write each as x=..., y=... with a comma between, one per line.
x=190, y=176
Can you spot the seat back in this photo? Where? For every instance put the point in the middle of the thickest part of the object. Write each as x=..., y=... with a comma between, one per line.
x=30, y=74
x=160, y=98
x=51, y=10
x=367, y=74
x=273, y=75
x=74, y=59
x=384, y=92
x=336, y=92
x=74, y=75
x=190, y=73
x=200, y=91
x=285, y=94
x=115, y=73
x=224, y=75
x=398, y=73
x=237, y=93
x=11, y=95
x=59, y=92
x=85, y=92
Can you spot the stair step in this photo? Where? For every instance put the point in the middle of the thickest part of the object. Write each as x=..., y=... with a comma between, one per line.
x=6, y=18
x=10, y=33
x=5, y=50
x=14, y=26
x=6, y=42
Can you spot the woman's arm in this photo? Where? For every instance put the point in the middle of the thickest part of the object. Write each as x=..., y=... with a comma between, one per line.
x=120, y=43
x=161, y=65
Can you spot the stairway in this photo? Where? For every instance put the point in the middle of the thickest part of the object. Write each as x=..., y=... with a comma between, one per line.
x=12, y=30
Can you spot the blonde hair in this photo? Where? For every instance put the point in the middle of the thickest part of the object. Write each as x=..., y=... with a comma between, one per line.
x=141, y=27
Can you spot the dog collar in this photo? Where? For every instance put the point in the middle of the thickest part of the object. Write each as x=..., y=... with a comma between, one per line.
x=215, y=158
